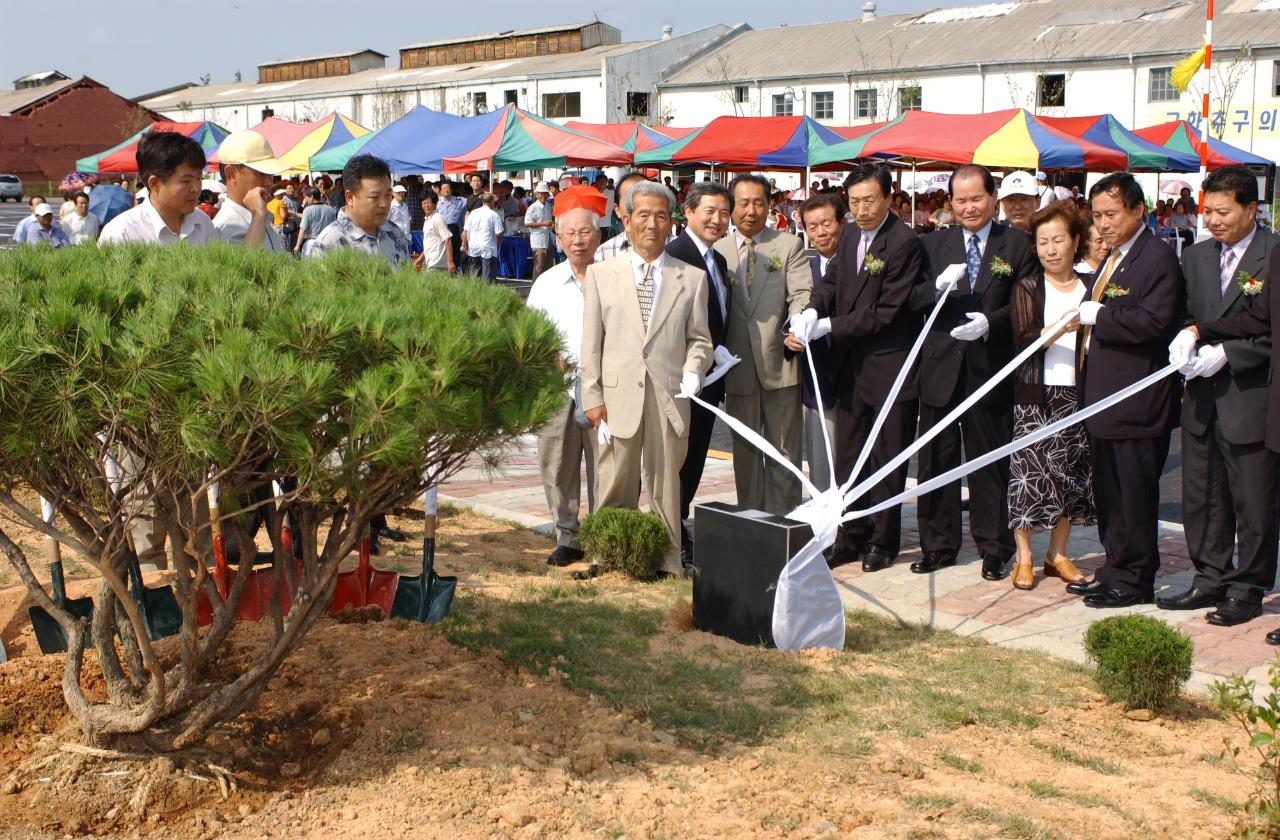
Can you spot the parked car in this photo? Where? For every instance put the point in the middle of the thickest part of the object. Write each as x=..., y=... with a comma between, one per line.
x=10, y=187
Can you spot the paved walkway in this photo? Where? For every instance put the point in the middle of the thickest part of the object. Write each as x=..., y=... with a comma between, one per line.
x=955, y=599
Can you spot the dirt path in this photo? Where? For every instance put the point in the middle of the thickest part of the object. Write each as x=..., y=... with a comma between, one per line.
x=552, y=709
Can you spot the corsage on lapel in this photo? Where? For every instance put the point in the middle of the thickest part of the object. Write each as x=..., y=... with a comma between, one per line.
x=1249, y=286
x=1000, y=269
x=774, y=264
x=874, y=265
x=1115, y=290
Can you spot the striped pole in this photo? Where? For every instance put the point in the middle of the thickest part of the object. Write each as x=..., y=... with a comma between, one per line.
x=1204, y=109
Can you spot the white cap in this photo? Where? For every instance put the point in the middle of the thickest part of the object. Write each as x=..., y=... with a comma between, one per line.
x=398, y=188
x=251, y=149
x=1018, y=183
x=43, y=209
x=1040, y=176
x=278, y=192
x=541, y=187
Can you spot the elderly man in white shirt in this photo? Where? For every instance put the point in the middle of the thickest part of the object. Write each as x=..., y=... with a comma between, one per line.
x=399, y=215
x=537, y=219
x=566, y=439
x=81, y=225
x=248, y=166
x=481, y=239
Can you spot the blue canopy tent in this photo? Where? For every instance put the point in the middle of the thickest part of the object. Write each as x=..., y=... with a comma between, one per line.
x=415, y=144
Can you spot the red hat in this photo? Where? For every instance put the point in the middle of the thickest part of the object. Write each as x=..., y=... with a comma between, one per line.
x=586, y=198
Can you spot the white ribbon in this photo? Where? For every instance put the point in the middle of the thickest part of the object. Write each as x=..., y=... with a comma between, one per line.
x=717, y=373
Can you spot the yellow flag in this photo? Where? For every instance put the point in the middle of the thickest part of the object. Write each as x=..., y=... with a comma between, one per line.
x=1184, y=71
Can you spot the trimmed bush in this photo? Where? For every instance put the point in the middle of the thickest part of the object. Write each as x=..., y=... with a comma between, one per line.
x=1139, y=661
x=625, y=540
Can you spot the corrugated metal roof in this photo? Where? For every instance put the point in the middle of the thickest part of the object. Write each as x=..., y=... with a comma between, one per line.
x=1040, y=31
x=324, y=56
x=510, y=33
x=584, y=62
x=43, y=74
x=16, y=100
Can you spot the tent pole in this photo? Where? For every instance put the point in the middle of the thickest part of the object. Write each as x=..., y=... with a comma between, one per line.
x=911, y=224
x=805, y=186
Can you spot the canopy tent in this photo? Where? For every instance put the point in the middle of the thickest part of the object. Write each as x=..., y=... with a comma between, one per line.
x=1010, y=139
x=1143, y=155
x=1180, y=137
x=331, y=132
x=414, y=144
x=521, y=140
x=757, y=142
x=122, y=159
x=281, y=135
x=632, y=136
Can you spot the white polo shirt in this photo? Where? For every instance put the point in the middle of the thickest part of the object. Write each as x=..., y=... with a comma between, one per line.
x=232, y=223
x=143, y=224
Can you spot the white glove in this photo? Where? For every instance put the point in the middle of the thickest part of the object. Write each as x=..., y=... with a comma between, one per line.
x=820, y=329
x=1089, y=312
x=1210, y=359
x=977, y=327
x=602, y=434
x=690, y=384
x=723, y=357
x=802, y=324
x=1182, y=348
x=949, y=276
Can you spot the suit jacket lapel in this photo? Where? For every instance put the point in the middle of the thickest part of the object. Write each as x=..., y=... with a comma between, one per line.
x=671, y=289
x=1253, y=263
x=995, y=248
x=624, y=277
x=738, y=289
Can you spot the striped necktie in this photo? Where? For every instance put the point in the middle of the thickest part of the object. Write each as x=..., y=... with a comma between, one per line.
x=644, y=292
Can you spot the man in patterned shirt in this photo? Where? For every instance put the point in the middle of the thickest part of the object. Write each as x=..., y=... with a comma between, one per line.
x=362, y=221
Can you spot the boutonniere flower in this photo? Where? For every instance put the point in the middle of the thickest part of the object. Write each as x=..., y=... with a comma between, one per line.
x=1115, y=290
x=873, y=265
x=774, y=264
x=1249, y=286
x=1000, y=268
x=730, y=279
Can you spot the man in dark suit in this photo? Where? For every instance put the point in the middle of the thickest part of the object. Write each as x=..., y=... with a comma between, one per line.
x=864, y=304
x=970, y=340
x=1133, y=312
x=706, y=208
x=1229, y=477
x=822, y=218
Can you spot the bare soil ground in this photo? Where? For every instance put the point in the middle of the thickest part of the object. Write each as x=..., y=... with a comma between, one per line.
x=551, y=708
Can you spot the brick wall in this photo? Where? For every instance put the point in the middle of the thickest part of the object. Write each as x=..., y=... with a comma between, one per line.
x=45, y=142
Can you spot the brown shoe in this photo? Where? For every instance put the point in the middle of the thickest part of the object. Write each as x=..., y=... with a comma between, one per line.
x=1024, y=575
x=1063, y=569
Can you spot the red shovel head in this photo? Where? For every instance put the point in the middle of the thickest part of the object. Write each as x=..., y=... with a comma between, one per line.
x=250, y=606
x=353, y=587
x=382, y=588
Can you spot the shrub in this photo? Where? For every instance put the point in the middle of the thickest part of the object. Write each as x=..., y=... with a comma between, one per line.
x=233, y=365
x=1260, y=722
x=1139, y=661
x=625, y=540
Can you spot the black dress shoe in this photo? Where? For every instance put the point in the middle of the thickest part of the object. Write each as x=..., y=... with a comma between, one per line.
x=1087, y=587
x=932, y=561
x=876, y=559
x=389, y=533
x=686, y=554
x=1273, y=638
x=1193, y=599
x=843, y=555
x=1233, y=611
x=1113, y=598
x=993, y=568
x=564, y=555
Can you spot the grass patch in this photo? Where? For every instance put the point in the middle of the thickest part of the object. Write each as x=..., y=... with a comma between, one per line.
x=1089, y=762
x=933, y=803
x=1213, y=800
x=1044, y=790
x=957, y=762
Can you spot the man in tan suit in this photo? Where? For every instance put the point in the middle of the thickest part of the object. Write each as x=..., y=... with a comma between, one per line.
x=644, y=341
x=771, y=282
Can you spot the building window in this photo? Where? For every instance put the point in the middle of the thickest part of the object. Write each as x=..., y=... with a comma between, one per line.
x=509, y=97
x=637, y=104
x=824, y=105
x=1051, y=90
x=1160, y=85
x=909, y=99
x=479, y=103
x=740, y=93
x=864, y=104
x=782, y=106
x=1275, y=78
x=561, y=106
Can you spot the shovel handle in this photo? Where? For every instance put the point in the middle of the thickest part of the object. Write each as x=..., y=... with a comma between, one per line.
x=56, y=580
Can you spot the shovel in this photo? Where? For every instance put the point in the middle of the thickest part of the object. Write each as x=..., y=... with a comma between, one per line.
x=49, y=633
x=250, y=606
x=352, y=588
x=427, y=597
x=159, y=606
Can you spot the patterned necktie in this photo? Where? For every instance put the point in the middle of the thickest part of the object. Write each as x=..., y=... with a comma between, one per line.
x=862, y=249
x=973, y=260
x=751, y=261
x=1228, y=263
x=644, y=292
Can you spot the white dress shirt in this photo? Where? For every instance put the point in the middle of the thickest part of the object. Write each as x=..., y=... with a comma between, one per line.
x=435, y=239
x=637, y=270
x=81, y=230
x=539, y=237
x=557, y=293
x=143, y=224
x=232, y=223
x=983, y=234
x=483, y=227
x=713, y=271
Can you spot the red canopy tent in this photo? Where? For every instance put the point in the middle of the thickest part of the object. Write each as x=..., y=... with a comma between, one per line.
x=520, y=140
x=632, y=136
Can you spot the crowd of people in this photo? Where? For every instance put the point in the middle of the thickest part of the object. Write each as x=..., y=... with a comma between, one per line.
x=654, y=284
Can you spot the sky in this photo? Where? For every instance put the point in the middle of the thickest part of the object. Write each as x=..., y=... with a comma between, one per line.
x=138, y=46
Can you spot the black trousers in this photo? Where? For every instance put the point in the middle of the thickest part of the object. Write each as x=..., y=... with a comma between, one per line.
x=853, y=427
x=455, y=242
x=483, y=267
x=981, y=429
x=1126, y=487
x=1229, y=496
x=701, y=422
